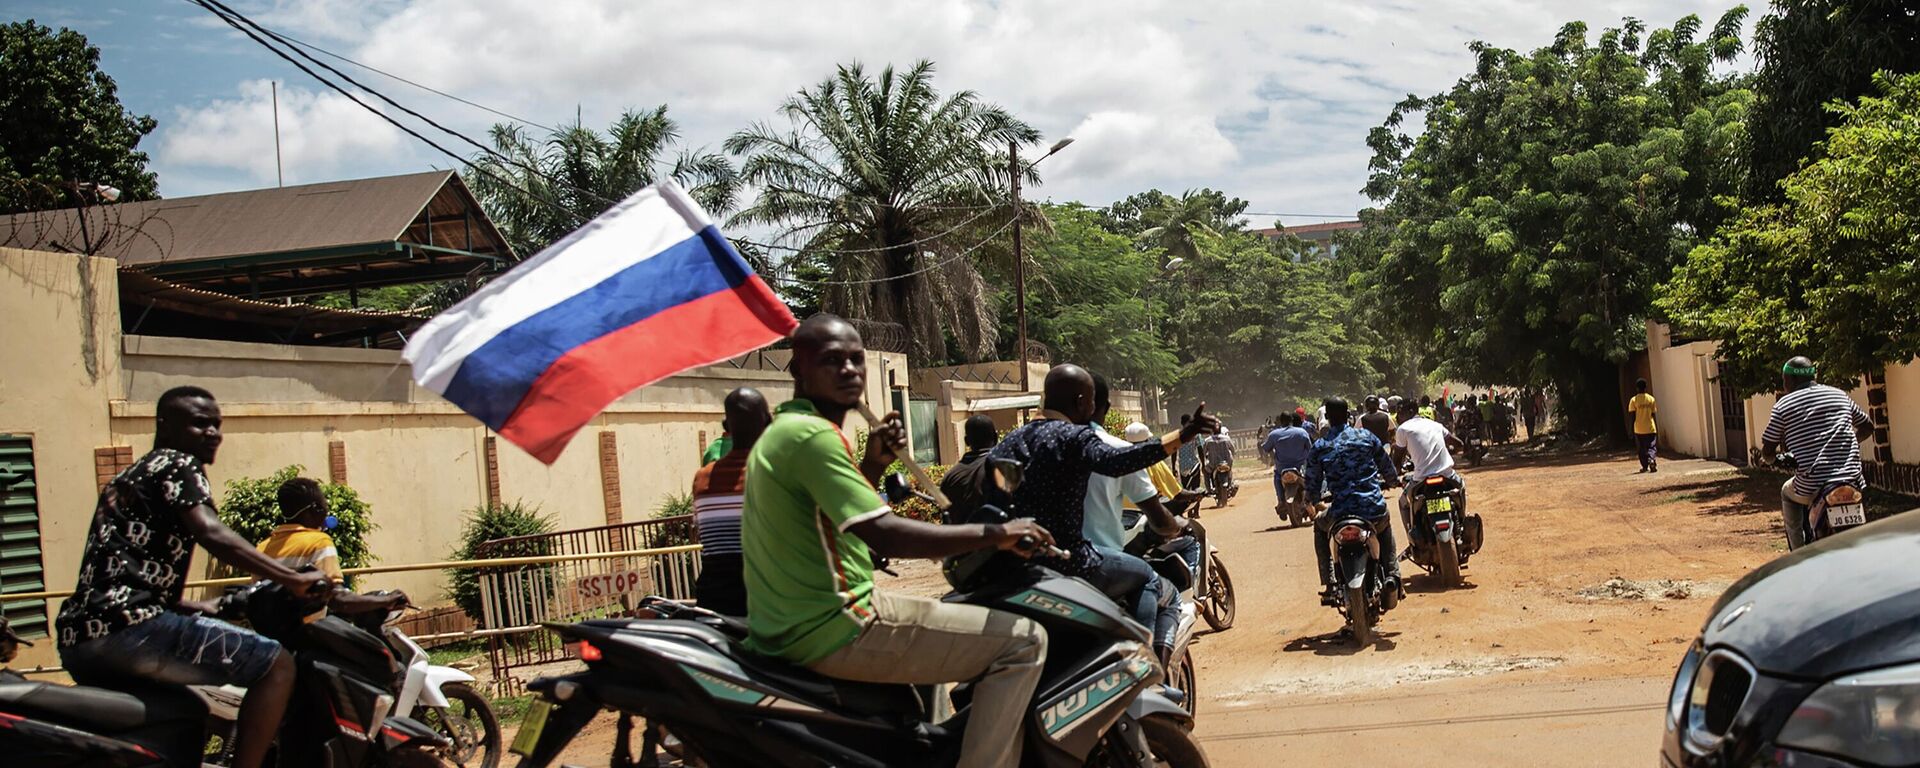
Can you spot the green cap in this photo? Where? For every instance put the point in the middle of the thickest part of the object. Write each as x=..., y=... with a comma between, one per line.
x=1794, y=370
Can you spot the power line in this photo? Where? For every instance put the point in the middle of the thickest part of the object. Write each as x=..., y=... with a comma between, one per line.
x=929, y=268
x=1307, y=215
x=917, y=241
x=427, y=88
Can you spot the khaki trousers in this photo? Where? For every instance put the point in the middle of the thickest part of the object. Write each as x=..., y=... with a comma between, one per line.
x=1793, y=510
x=919, y=641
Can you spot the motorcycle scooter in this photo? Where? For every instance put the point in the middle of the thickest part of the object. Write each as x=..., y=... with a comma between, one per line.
x=1097, y=703
x=1839, y=506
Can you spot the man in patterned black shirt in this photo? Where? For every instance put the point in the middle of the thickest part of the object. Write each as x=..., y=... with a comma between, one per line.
x=127, y=618
x=1060, y=452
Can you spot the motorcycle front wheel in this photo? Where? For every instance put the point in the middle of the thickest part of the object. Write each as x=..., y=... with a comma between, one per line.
x=1172, y=745
x=1188, y=680
x=469, y=722
x=1218, y=607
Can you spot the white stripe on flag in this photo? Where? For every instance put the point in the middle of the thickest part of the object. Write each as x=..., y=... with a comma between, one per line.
x=652, y=220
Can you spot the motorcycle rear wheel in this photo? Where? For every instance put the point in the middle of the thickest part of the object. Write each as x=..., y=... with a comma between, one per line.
x=1218, y=607
x=1173, y=746
x=1358, y=622
x=1447, y=564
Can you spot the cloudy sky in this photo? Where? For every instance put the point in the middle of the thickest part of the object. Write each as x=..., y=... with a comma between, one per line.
x=1269, y=101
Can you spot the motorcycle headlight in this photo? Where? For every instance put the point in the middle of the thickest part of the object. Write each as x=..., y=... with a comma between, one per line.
x=1872, y=717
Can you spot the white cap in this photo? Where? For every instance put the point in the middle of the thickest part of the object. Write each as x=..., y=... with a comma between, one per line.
x=1137, y=432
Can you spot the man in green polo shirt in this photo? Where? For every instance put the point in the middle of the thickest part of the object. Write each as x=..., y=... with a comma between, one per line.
x=811, y=513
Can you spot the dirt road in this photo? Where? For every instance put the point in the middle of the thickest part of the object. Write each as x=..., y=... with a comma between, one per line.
x=1557, y=652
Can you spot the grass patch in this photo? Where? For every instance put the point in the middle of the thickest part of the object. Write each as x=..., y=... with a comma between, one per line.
x=510, y=709
x=446, y=655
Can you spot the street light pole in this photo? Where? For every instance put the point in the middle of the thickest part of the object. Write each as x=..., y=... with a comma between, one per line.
x=1019, y=266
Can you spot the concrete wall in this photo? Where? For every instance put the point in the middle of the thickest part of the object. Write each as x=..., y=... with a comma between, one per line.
x=1690, y=419
x=61, y=367
x=76, y=385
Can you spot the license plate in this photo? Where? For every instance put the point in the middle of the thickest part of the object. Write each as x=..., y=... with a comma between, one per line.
x=1847, y=514
x=531, y=725
x=1442, y=504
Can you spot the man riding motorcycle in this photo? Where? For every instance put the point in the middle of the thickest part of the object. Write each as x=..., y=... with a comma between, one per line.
x=1289, y=446
x=1426, y=444
x=1353, y=464
x=813, y=514
x=1822, y=427
x=1102, y=524
x=1060, y=452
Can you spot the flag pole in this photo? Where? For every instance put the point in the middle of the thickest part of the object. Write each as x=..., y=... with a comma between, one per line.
x=919, y=475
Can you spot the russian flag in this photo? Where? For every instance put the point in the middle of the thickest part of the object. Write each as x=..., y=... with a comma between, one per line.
x=646, y=290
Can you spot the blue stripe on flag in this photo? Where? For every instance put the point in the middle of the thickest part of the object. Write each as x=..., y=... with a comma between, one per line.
x=493, y=379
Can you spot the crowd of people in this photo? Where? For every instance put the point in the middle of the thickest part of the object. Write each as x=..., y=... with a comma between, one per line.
x=790, y=518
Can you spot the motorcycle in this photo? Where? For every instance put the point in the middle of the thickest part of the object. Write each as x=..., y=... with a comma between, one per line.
x=1476, y=441
x=1442, y=536
x=1220, y=479
x=441, y=697
x=1297, y=512
x=340, y=714
x=1361, y=574
x=1839, y=506
x=1097, y=704
x=1169, y=559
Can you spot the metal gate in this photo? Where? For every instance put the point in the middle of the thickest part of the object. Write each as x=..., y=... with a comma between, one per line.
x=526, y=595
x=1733, y=417
x=923, y=421
x=20, y=566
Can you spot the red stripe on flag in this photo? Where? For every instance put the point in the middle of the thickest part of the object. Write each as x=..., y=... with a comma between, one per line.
x=587, y=379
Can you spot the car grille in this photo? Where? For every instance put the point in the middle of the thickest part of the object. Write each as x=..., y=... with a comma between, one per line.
x=1719, y=690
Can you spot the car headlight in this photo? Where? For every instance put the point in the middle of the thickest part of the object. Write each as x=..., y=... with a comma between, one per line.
x=1872, y=717
x=1683, y=684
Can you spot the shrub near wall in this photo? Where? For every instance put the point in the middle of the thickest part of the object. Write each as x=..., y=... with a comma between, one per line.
x=486, y=523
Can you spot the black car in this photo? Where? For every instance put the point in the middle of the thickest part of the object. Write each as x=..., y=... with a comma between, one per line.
x=1811, y=661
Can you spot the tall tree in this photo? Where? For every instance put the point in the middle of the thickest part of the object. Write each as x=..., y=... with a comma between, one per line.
x=1088, y=299
x=61, y=123
x=1525, y=227
x=1261, y=328
x=888, y=188
x=548, y=188
x=1812, y=53
x=1833, y=272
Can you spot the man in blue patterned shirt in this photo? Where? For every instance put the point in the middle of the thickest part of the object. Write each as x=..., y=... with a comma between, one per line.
x=1353, y=463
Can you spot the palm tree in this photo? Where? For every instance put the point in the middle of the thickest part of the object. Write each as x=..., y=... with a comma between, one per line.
x=1175, y=222
x=887, y=191
x=544, y=190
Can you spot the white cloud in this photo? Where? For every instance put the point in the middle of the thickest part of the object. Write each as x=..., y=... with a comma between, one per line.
x=1267, y=101
x=321, y=134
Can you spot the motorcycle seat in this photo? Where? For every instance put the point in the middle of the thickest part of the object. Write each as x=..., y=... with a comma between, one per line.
x=99, y=709
x=885, y=699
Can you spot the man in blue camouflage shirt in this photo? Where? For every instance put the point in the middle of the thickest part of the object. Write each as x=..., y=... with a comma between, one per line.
x=1353, y=463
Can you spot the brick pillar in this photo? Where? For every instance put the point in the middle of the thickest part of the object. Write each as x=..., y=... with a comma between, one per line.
x=337, y=462
x=492, y=450
x=610, y=476
x=110, y=461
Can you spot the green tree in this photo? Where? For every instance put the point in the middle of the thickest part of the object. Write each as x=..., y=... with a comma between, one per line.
x=61, y=123
x=251, y=508
x=1260, y=327
x=885, y=187
x=1833, y=271
x=1087, y=299
x=1812, y=53
x=1523, y=230
x=1170, y=223
x=546, y=189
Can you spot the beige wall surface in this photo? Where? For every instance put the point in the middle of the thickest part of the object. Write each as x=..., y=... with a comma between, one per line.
x=75, y=385
x=1903, y=411
x=60, y=362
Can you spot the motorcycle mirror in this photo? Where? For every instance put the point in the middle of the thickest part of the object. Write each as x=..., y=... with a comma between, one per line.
x=896, y=487
x=1007, y=474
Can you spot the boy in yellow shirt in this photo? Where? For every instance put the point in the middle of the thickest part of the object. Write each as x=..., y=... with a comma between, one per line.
x=1645, y=432
x=302, y=541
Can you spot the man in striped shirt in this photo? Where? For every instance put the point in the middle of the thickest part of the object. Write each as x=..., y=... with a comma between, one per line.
x=717, y=491
x=1823, y=428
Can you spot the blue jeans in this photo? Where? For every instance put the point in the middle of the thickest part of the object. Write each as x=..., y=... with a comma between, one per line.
x=174, y=649
x=1132, y=583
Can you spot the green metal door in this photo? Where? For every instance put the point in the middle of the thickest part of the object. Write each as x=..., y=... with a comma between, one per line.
x=923, y=421
x=20, y=569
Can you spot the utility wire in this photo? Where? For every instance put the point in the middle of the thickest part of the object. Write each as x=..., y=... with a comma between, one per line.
x=427, y=88
x=929, y=268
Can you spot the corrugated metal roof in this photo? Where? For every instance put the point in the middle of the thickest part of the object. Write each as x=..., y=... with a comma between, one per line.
x=257, y=221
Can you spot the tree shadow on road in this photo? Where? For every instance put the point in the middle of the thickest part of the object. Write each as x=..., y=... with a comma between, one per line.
x=1340, y=643
x=1746, y=492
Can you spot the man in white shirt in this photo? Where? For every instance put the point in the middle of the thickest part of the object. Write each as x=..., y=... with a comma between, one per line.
x=1102, y=525
x=1426, y=444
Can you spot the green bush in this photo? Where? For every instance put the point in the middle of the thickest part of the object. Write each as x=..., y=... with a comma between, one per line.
x=677, y=533
x=486, y=523
x=252, y=509
x=916, y=508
